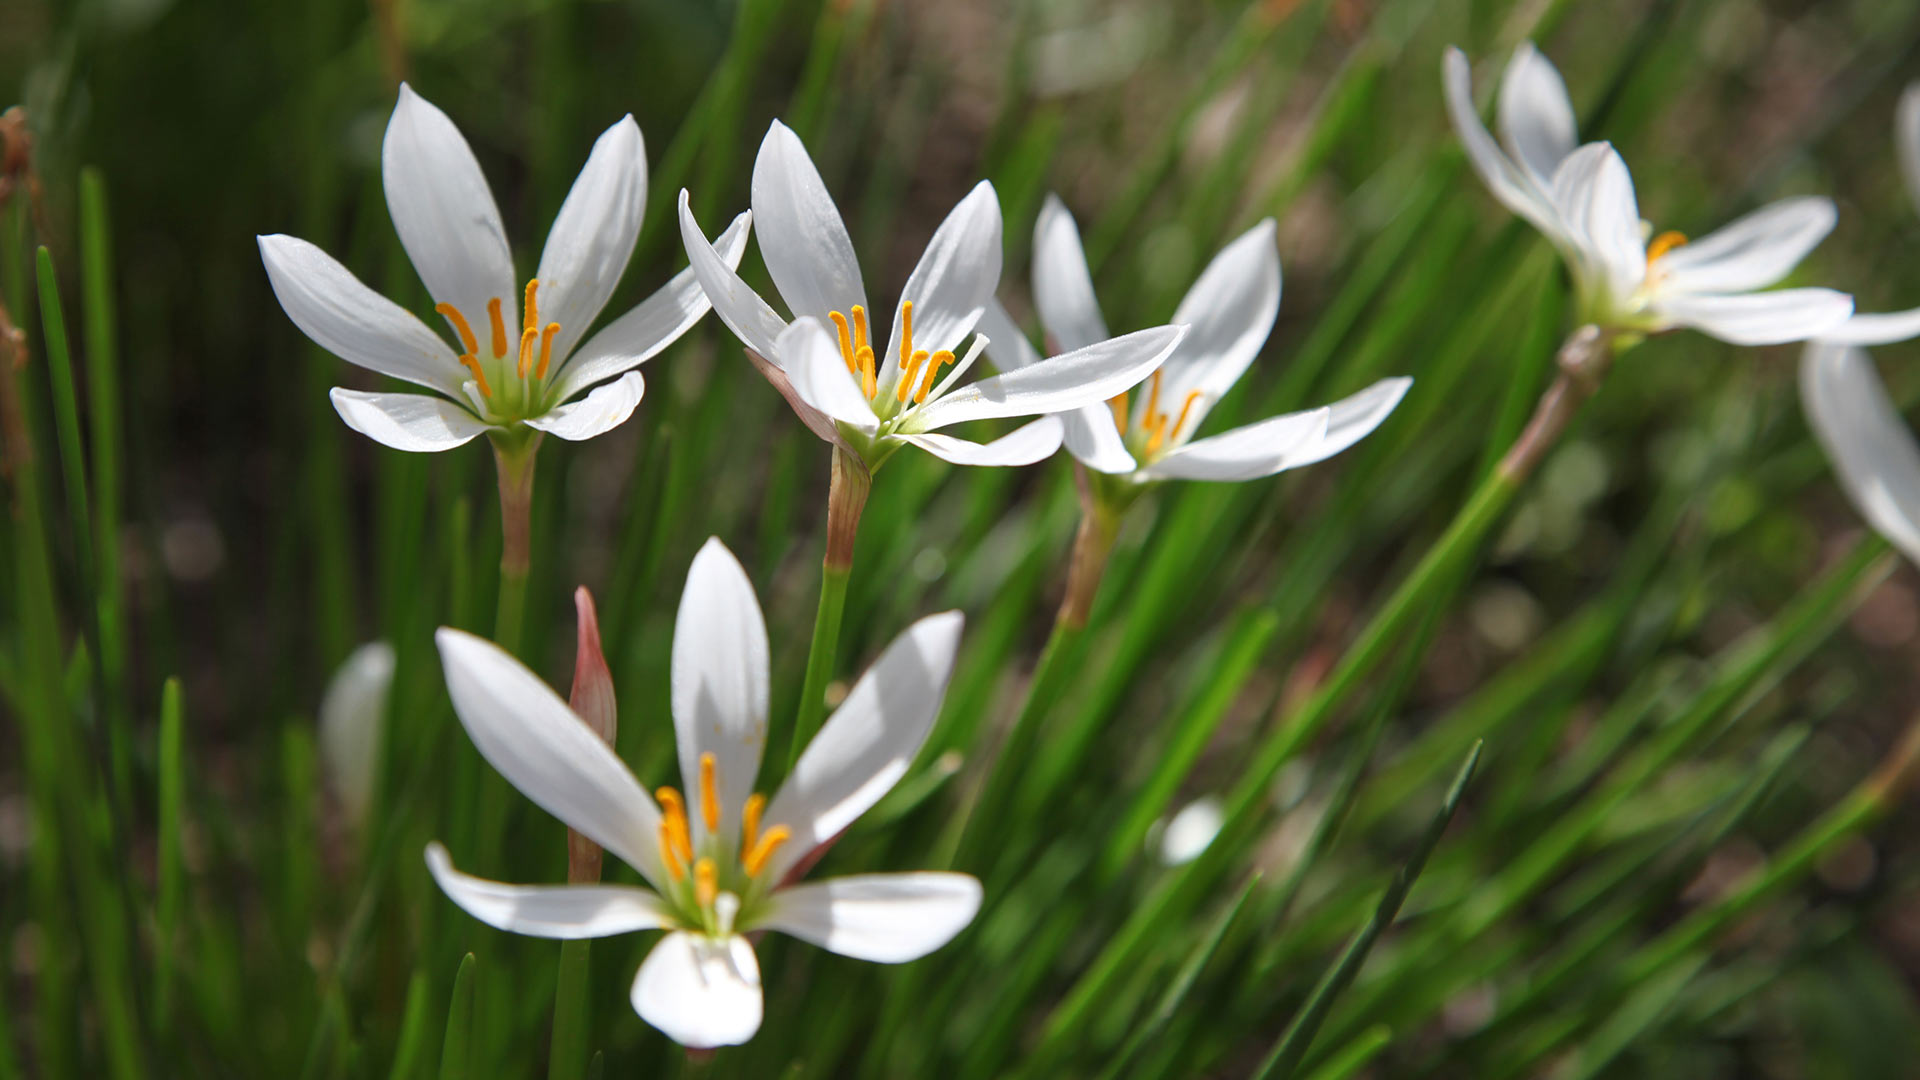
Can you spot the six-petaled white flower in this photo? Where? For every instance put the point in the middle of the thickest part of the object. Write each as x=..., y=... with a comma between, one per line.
x=1582, y=200
x=870, y=400
x=722, y=860
x=511, y=365
x=1229, y=311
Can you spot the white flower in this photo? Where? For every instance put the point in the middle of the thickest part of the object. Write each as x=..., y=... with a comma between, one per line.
x=1188, y=832
x=722, y=860
x=1872, y=450
x=353, y=716
x=1583, y=201
x=875, y=400
x=1230, y=311
x=507, y=368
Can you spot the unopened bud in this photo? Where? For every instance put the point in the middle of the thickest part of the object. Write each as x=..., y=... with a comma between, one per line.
x=592, y=700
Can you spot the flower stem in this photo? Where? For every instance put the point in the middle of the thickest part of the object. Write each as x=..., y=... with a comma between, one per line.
x=846, y=498
x=514, y=462
x=567, y=1057
x=1099, y=527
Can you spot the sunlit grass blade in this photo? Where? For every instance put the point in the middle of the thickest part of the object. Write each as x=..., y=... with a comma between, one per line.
x=456, y=1050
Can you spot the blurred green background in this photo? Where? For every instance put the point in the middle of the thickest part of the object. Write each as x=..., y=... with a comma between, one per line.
x=1669, y=688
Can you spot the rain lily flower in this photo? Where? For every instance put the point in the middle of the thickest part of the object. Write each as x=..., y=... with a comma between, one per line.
x=1628, y=281
x=513, y=371
x=353, y=715
x=1148, y=434
x=722, y=861
x=872, y=400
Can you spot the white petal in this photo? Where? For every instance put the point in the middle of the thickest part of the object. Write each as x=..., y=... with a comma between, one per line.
x=1536, y=116
x=953, y=281
x=802, y=239
x=1245, y=453
x=1872, y=449
x=418, y=423
x=1906, y=137
x=719, y=682
x=1229, y=311
x=1875, y=328
x=652, y=324
x=1091, y=435
x=866, y=745
x=1751, y=253
x=1062, y=285
x=1353, y=418
x=353, y=322
x=524, y=730
x=1023, y=446
x=1064, y=382
x=444, y=211
x=353, y=716
x=700, y=992
x=606, y=408
x=1191, y=830
x=1506, y=180
x=1007, y=346
x=1593, y=193
x=593, y=234
x=1762, y=318
x=566, y=912
x=748, y=316
x=818, y=371
x=885, y=918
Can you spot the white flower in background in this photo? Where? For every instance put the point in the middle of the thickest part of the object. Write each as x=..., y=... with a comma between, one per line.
x=1190, y=830
x=509, y=366
x=722, y=861
x=353, y=715
x=1148, y=435
x=874, y=400
x=1582, y=200
x=1884, y=328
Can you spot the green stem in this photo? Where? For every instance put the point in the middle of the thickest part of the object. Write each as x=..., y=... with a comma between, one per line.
x=567, y=1059
x=846, y=499
x=514, y=461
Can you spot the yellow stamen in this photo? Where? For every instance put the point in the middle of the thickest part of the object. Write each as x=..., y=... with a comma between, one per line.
x=459, y=321
x=934, y=364
x=546, y=348
x=756, y=859
x=1118, y=403
x=526, y=349
x=706, y=882
x=859, y=329
x=667, y=856
x=906, y=331
x=868, y=384
x=1153, y=400
x=1663, y=244
x=907, y=373
x=499, y=328
x=673, y=818
x=750, y=821
x=709, y=793
x=531, y=321
x=846, y=342
x=1156, y=431
x=472, y=363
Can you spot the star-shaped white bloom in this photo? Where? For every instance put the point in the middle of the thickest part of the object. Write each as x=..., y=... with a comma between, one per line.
x=508, y=367
x=872, y=401
x=1582, y=200
x=1229, y=311
x=722, y=861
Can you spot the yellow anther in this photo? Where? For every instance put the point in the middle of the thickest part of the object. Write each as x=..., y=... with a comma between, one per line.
x=1153, y=399
x=846, y=340
x=1185, y=407
x=531, y=320
x=906, y=331
x=859, y=329
x=546, y=348
x=1118, y=403
x=472, y=363
x=667, y=857
x=750, y=821
x=756, y=859
x=709, y=794
x=673, y=819
x=1663, y=244
x=706, y=882
x=499, y=328
x=907, y=372
x=526, y=349
x=934, y=364
x=868, y=383
x=459, y=321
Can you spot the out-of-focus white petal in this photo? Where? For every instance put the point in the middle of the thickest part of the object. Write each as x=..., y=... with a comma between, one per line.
x=1190, y=830
x=444, y=211
x=700, y=992
x=885, y=918
x=1506, y=180
x=418, y=423
x=1906, y=137
x=1229, y=312
x=742, y=309
x=1023, y=446
x=952, y=282
x=353, y=715
x=818, y=371
x=1872, y=450
x=1245, y=453
x=1353, y=418
x=565, y=912
x=1594, y=195
x=1536, y=115
x=1062, y=285
x=802, y=239
x=652, y=324
x=606, y=408
x=1762, y=318
x=592, y=236
x=1875, y=328
x=866, y=745
x=524, y=730
x=719, y=683
x=1751, y=253
x=353, y=322
x=1064, y=382
x=1007, y=347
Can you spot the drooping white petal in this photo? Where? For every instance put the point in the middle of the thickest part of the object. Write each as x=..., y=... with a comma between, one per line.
x=1245, y=453
x=526, y=732
x=444, y=211
x=1906, y=137
x=1091, y=435
x=885, y=918
x=1872, y=449
x=1023, y=446
x=1594, y=195
x=1063, y=382
x=1753, y=252
x=719, y=683
x=700, y=992
x=1875, y=328
x=818, y=371
x=353, y=715
x=1506, y=180
x=1229, y=311
x=1761, y=318
x=802, y=239
x=652, y=324
x=1062, y=285
x=565, y=912
x=417, y=423
x=1351, y=419
x=353, y=322
x=748, y=316
x=1536, y=115
x=606, y=408
x=952, y=282
x=866, y=745
x=593, y=234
